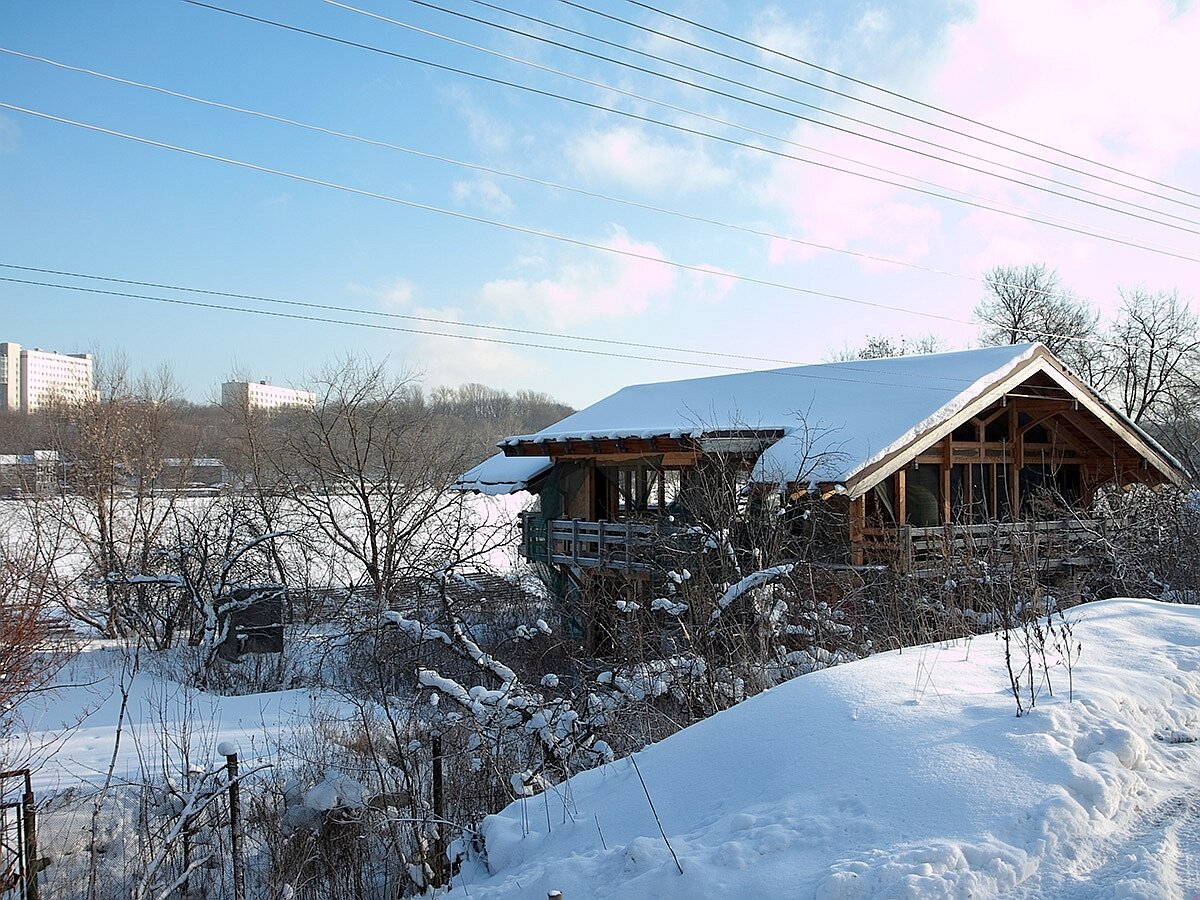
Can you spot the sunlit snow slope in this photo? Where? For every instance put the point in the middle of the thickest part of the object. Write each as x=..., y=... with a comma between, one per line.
x=904, y=775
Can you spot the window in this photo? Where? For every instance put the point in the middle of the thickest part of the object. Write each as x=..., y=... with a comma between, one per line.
x=923, y=495
x=637, y=488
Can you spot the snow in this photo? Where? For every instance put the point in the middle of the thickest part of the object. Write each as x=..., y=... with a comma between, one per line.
x=70, y=731
x=502, y=474
x=906, y=774
x=749, y=583
x=836, y=418
x=228, y=748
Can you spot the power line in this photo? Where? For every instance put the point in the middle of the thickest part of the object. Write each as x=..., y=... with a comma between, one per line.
x=797, y=116
x=625, y=201
x=394, y=315
x=753, y=131
x=520, y=229
x=1048, y=220
x=883, y=90
x=378, y=326
x=532, y=232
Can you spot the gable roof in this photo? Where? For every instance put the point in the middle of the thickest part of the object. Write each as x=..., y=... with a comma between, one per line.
x=850, y=422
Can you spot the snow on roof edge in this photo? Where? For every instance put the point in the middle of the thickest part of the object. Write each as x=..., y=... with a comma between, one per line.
x=500, y=474
x=947, y=410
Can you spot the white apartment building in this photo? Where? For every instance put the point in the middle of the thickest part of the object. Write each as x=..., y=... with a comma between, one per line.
x=262, y=395
x=29, y=379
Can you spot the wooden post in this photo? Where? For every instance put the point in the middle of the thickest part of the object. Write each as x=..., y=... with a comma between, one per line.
x=229, y=750
x=947, y=462
x=901, y=498
x=858, y=519
x=1016, y=452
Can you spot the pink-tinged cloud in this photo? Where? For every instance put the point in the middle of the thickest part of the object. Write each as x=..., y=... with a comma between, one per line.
x=590, y=287
x=1113, y=81
x=711, y=284
x=846, y=212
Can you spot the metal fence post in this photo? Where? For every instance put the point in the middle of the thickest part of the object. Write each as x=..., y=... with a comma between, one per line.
x=439, y=813
x=31, y=857
x=229, y=750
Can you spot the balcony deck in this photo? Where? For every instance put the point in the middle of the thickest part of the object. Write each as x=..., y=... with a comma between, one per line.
x=622, y=546
x=1049, y=543
x=630, y=546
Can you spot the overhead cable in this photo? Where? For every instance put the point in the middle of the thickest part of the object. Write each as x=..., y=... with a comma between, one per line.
x=695, y=85
x=1047, y=220
x=876, y=87
x=529, y=179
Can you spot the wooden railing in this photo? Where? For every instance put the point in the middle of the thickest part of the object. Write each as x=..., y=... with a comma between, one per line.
x=630, y=546
x=609, y=545
x=1052, y=544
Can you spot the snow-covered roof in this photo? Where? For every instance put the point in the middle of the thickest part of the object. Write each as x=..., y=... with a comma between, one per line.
x=28, y=459
x=502, y=474
x=838, y=420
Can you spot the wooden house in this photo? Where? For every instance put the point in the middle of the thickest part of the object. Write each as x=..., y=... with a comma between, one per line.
x=926, y=456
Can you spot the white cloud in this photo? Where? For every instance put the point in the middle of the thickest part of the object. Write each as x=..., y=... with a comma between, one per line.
x=1114, y=82
x=452, y=361
x=398, y=293
x=712, y=285
x=629, y=157
x=587, y=288
x=486, y=130
x=483, y=193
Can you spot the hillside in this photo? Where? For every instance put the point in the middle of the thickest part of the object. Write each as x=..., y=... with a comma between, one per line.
x=905, y=774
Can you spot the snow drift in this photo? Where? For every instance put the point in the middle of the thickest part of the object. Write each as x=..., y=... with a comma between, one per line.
x=904, y=775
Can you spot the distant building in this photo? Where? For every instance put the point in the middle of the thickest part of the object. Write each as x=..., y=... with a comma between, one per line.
x=29, y=379
x=262, y=395
x=192, y=474
x=29, y=473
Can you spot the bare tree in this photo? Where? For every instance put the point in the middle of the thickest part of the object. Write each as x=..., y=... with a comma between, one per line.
x=881, y=346
x=1154, y=354
x=118, y=494
x=1029, y=303
x=366, y=472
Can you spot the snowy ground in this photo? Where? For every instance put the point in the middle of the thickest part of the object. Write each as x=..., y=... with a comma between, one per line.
x=70, y=732
x=903, y=775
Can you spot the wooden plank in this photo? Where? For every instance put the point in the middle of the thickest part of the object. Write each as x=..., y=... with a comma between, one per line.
x=902, y=497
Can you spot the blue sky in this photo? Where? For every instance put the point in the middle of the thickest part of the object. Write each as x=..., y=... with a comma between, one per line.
x=80, y=201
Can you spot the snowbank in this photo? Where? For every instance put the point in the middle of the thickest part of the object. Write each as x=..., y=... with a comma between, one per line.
x=71, y=730
x=903, y=775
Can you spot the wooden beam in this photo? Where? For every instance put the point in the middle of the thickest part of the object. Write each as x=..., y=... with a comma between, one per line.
x=902, y=497
x=947, y=457
x=1055, y=404
x=1038, y=420
x=1014, y=487
x=671, y=460
x=985, y=421
x=1105, y=444
x=858, y=521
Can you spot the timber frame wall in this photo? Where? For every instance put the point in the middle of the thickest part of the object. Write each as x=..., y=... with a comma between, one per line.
x=1039, y=424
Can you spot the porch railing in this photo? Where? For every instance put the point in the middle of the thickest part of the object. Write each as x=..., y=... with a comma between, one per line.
x=577, y=542
x=1051, y=543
